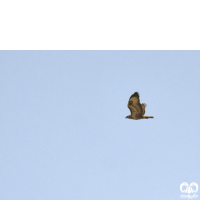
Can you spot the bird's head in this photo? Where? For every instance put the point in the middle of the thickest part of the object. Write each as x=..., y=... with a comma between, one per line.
x=129, y=117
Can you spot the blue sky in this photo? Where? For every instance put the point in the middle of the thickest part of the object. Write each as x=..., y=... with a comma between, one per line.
x=63, y=129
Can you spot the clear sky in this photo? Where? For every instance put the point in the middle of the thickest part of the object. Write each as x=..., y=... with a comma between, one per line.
x=64, y=135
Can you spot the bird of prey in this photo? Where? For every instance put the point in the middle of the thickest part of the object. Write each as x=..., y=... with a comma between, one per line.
x=137, y=109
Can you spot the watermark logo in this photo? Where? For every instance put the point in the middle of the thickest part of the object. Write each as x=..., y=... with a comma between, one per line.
x=189, y=189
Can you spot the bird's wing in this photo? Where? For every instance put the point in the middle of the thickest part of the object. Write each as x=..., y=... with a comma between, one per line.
x=134, y=104
x=143, y=108
x=132, y=108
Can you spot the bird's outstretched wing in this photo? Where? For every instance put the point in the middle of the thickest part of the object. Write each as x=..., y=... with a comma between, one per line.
x=143, y=108
x=135, y=106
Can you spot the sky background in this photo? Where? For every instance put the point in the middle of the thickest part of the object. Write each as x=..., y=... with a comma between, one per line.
x=63, y=129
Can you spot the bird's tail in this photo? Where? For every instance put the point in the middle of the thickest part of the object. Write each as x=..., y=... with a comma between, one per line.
x=146, y=117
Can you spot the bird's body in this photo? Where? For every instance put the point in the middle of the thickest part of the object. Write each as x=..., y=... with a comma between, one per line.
x=137, y=109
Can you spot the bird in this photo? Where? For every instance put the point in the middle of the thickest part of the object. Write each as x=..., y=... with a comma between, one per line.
x=137, y=109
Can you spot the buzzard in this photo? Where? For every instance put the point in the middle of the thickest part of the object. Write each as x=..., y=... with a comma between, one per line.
x=137, y=109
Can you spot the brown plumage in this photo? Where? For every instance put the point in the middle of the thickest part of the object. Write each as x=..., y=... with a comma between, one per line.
x=137, y=109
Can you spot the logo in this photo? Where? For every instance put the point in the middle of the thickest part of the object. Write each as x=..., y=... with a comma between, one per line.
x=189, y=189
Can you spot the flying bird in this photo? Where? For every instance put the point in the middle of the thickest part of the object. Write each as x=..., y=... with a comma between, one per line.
x=137, y=109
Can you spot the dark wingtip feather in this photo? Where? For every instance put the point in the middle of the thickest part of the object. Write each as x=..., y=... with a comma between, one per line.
x=136, y=94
